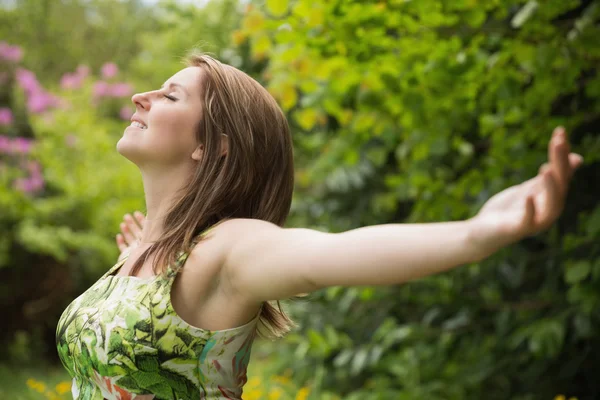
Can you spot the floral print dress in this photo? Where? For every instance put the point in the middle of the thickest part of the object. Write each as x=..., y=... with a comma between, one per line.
x=122, y=339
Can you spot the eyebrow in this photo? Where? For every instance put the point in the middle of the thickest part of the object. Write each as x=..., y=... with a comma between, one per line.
x=175, y=84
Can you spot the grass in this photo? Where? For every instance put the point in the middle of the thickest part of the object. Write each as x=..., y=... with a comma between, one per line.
x=34, y=383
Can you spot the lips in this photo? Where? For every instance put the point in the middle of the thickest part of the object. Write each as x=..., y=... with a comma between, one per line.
x=138, y=125
x=136, y=119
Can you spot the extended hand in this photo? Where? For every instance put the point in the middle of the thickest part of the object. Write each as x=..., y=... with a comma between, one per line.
x=532, y=206
x=131, y=233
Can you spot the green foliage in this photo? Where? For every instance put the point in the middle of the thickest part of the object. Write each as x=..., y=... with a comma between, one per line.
x=60, y=236
x=181, y=27
x=402, y=111
x=58, y=35
x=420, y=111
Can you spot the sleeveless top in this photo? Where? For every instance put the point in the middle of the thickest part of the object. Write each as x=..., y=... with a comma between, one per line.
x=122, y=339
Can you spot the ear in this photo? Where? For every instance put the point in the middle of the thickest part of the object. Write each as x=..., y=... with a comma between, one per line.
x=197, y=154
x=224, y=144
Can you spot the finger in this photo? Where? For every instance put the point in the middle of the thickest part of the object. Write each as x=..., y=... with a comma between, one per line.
x=129, y=238
x=553, y=201
x=558, y=154
x=529, y=219
x=575, y=161
x=121, y=243
x=132, y=226
x=140, y=218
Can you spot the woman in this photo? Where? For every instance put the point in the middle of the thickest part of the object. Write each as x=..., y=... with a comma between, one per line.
x=215, y=154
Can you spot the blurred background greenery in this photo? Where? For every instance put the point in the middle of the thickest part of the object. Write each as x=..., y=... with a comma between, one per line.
x=401, y=111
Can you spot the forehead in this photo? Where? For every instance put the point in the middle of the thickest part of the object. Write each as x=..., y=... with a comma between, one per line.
x=188, y=77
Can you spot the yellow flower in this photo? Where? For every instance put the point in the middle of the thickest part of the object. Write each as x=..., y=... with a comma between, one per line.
x=238, y=37
x=275, y=393
x=253, y=23
x=254, y=394
x=284, y=380
x=51, y=395
x=63, y=387
x=560, y=397
x=36, y=385
x=302, y=393
x=253, y=382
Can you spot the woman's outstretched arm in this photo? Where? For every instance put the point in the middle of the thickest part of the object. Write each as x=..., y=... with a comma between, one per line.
x=271, y=263
x=266, y=262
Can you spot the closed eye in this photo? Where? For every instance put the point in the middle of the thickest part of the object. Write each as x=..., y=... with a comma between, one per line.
x=170, y=97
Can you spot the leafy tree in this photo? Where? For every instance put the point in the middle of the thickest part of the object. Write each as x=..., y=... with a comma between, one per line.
x=419, y=111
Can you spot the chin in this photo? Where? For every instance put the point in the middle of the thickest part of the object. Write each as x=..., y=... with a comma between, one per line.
x=126, y=149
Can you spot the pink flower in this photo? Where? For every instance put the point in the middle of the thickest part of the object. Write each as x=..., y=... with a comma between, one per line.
x=40, y=101
x=6, y=116
x=75, y=80
x=27, y=81
x=22, y=145
x=36, y=182
x=82, y=71
x=109, y=70
x=101, y=89
x=71, y=81
x=28, y=185
x=23, y=185
x=125, y=113
x=10, y=53
x=5, y=144
x=121, y=90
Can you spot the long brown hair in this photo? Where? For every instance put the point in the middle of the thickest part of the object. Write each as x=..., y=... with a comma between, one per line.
x=254, y=179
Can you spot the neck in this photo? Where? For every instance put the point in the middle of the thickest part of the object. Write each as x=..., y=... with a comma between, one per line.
x=160, y=189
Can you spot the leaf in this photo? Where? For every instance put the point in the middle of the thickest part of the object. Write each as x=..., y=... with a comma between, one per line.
x=306, y=118
x=261, y=46
x=524, y=14
x=318, y=342
x=289, y=97
x=359, y=361
x=343, y=358
x=593, y=222
x=577, y=272
x=375, y=354
x=277, y=8
x=547, y=338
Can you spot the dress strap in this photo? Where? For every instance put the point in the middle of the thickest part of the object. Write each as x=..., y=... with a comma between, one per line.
x=115, y=267
x=204, y=232
x=182, y=256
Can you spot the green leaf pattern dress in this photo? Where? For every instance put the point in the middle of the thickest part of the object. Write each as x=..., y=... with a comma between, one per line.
x=122, y=339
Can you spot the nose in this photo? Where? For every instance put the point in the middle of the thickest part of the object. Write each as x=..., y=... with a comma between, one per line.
x=142, y=100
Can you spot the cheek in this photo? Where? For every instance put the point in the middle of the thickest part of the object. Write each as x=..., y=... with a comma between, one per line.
x=171, y=119
x=172, y=128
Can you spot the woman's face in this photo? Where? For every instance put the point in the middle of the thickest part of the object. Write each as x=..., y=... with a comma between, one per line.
x=170, y=115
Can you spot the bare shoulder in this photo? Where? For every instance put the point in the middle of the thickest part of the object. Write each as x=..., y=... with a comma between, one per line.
x=234, y=228
x=208, y=258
